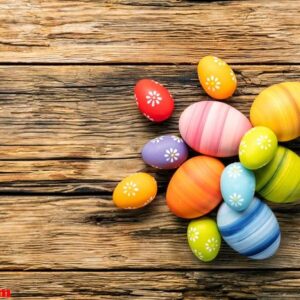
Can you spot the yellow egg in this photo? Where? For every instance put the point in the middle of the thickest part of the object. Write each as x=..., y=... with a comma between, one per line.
x=216, y=77
x=135, y=191
x=278, y=107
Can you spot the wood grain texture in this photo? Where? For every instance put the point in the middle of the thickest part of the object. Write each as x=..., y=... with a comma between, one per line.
x=70, y=130
x=153, y=285
x=58, y=233
x=76, y=129
x=149, y=31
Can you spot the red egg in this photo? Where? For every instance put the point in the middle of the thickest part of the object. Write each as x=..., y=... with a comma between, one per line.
x=153, y=100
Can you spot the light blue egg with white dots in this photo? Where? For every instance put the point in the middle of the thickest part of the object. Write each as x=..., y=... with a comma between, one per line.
x=254, y=232
x=237, y=186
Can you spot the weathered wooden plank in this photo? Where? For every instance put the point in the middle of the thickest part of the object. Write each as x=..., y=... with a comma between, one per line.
x=153, y=285
x=67, y=112
x=77, y=128
x=149, y=31
x=68, y=176
x=89, y=112
x=47, y=232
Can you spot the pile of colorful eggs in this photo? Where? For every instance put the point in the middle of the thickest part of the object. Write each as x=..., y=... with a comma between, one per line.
x=199, y=184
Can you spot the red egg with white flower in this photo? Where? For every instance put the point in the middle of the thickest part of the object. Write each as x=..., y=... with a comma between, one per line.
x=153, y=100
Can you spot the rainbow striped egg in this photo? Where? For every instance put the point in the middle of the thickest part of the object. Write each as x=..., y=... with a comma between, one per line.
x=254, y=232
x=213, y=128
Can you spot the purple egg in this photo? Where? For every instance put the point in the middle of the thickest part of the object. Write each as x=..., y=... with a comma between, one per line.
x=165, y=152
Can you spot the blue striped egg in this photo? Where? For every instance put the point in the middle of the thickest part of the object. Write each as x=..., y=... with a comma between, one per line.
x=254, y=232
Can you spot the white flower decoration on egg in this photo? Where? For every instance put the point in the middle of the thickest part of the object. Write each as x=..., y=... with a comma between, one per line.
x=232, y=75
x=157, y=140
x=171, y=155
x=236, y=199
x=235, y=171
x=213, y=83
x=264, y=142
x=177, y=139
x=148, y=117
x=198, y=253
x=243, y=148
x=193, y=234
x=211, y=244
x=219, y=61
x=153, y=98
x=130, y=189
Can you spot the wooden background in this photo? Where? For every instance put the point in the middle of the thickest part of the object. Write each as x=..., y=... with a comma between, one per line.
x=70, y=130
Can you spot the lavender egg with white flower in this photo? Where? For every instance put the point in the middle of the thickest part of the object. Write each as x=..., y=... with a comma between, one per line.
x=165, y=152
x=237, y=186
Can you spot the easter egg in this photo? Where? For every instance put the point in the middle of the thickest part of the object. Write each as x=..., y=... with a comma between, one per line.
x=257, y=148
x=165, y=152
x=135, y=191
x=237, y=186
x=279, y=180
x=253, y=232
x=204, y=239
x=216, y=77
x=153, y=100
x=278, y=107
x=213, y=128
x=194, y=189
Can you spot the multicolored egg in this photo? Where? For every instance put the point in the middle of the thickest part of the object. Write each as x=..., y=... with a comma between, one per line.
x=194, y=189
x=213, y=128
x=254, y=232
x=153, y=100
x=278, y=107
x=135, y=191
x=257, y=148
x=204, y=239
x=237, y=186
x=216, y=77
x=279, y=180
x=165, y=152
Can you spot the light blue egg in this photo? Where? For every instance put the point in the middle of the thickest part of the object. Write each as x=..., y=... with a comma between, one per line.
x=254, y=232
x=237, y=186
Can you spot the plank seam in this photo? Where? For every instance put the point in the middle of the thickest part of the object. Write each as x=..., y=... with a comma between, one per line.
x=154, y=270
x=232, y=63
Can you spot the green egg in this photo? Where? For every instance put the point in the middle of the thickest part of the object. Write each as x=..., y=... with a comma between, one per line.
x=279, y=180
x=257, y=148
x=204, y=239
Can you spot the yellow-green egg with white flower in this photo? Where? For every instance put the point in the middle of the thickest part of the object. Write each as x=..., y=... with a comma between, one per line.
x=204, y=239
x=257, y=148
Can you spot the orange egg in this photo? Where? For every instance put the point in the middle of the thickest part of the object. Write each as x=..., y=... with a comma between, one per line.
x=194, y=189
x=135, y=191
x=216, y=77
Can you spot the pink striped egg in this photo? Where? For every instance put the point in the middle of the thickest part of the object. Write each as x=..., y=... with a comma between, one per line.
x=213, y=128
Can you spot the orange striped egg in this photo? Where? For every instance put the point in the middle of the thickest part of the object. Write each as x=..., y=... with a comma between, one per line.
x=194, y=189
x=278, y=107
